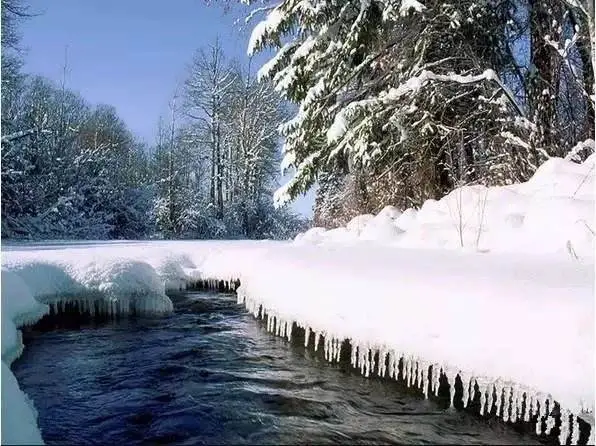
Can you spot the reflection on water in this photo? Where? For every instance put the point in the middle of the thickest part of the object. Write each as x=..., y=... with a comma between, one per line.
x=210, y=374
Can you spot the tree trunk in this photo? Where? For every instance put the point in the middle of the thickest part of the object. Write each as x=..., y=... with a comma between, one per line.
x=219, y=176
x=585, y=53
x=544, y=80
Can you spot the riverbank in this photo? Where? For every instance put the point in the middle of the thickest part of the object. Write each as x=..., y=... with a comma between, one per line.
x=461, y=314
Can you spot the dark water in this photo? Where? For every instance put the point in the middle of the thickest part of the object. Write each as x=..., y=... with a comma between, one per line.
x=210, y=374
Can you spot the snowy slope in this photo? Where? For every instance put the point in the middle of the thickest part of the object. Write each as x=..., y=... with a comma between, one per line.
x=552, y=213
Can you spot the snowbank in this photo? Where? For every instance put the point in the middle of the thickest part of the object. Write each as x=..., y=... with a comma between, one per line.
x=18, y=308
x=552, y=213
x=481, y=315
x=112, y=278
x=19, y=417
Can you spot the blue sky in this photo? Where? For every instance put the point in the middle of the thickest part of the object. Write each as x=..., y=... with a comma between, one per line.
x=129, y=53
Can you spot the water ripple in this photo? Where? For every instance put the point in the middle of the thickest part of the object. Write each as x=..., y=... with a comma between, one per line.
x=210, y=374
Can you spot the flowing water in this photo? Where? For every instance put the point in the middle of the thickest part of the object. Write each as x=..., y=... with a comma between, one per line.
x=211, y=374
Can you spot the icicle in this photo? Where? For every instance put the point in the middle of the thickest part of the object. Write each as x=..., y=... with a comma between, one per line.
x=381, y=362
x=424, y=377
x=361, y=362
x=575, y=431
x=406, y=370
x=483, y=392
x=418, y=380
x=451, y=381
x=289, y=328
x=369, y=352
x=451, y=387
x=565, y=428
x=326, y=348
x=395, y=365
x=506, y=403
x=436, y=378
x=306, y=336
x=515, y=404
x=391, y=363
x=353, y=353
x=490, y=398
x=317, y=338
x=333, y=349
x=338, y=350
x=499, y=396
x=530, y=397
x=465, y=382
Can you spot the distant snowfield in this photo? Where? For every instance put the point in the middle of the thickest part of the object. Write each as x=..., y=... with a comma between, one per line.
x=495, y=285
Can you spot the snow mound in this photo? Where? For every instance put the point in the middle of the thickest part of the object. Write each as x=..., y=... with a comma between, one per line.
x=407, y=219
x=312, y=236
x=552, y=213
x=341, y=236
x=381, y=228
x=358, y=223
x=390, y=211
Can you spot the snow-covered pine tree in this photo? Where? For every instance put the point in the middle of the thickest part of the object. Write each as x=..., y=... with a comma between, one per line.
x=406, y=87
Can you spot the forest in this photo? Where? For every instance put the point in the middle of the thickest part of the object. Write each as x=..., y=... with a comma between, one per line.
x=73, y=170
x=375, y=103
x=403, y=101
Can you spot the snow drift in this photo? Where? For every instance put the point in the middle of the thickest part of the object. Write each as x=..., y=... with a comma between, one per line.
x=552, y=213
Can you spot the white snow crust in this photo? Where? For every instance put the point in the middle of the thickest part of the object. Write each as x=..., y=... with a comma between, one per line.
x=508, y=306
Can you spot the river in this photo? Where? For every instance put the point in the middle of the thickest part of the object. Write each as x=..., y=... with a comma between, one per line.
x=211, y=374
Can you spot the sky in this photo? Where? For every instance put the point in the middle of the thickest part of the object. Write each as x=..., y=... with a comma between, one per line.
x=131, y=54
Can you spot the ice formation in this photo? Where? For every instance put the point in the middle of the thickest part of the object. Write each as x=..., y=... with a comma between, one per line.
x=423, y=316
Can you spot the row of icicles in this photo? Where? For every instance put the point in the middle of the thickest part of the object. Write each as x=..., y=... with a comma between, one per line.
x=512, y=401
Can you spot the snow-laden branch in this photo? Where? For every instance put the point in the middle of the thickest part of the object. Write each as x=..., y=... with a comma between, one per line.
x=21, y=134
x=263, y=28
x=412, y=86
x=573, y=154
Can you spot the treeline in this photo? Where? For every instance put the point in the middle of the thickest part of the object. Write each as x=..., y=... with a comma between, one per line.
x=71, y=170
x=403, y=100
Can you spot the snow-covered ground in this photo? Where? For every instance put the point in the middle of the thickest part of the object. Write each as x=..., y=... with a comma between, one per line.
x=553, y=213
x=508, y=305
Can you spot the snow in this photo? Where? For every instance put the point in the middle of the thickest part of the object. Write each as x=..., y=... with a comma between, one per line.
x=270, y=24
x=406, y=5
x=552, y=213
x=509, y=305
x=19, y=418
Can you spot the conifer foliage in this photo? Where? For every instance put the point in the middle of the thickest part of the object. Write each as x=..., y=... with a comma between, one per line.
x=406, y=99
